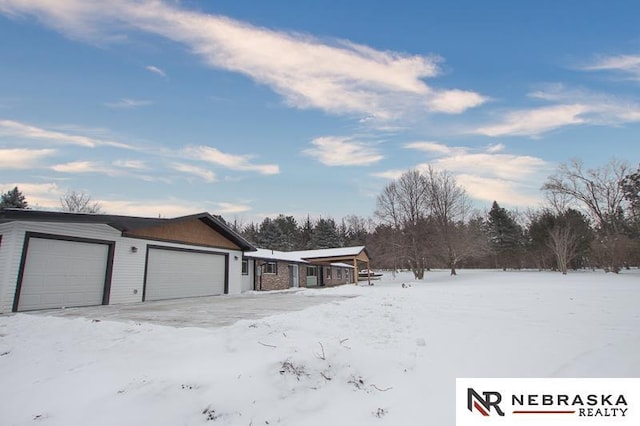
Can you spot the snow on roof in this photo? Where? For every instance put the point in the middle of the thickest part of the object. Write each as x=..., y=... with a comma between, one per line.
x=332, y=252
x=303, y=255
x=290, y=256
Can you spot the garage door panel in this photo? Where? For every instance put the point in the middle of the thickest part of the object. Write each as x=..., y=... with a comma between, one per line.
x=173, y=274
x=60, y=273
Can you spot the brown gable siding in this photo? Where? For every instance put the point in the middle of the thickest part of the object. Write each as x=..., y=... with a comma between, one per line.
x=192, y=231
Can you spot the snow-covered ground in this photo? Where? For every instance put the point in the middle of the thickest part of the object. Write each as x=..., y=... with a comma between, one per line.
x=390, y=356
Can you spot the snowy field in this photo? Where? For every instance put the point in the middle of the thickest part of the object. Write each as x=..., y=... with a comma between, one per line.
x=389, y=356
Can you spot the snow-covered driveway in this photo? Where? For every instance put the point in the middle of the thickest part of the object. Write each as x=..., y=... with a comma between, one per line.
x=213, y=311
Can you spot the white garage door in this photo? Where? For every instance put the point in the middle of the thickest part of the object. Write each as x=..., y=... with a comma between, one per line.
x=62, y=274
x=172, y=274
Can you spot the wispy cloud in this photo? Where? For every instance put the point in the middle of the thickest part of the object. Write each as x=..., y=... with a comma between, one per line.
x=532, y=122
x=340, y=77
x=28, y=131
x=127, y=103
x=86, y=167
x=231, y=208
x=434, y=148
x=502, y=190
x=201, y=172
x=151, y=208
x=487, y=174
x=155, y=70
x=389, y=174
x=343, y=151
x=570, y=108
x=230, y=161
x=23, y=158
x=131, y=164
x=628, y=65
x=495, y=148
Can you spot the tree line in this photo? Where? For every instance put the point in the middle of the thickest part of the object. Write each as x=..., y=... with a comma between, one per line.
x=425, y=219
x=591, y=218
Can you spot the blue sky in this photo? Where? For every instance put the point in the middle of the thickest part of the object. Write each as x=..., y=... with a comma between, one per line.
x=249, y=109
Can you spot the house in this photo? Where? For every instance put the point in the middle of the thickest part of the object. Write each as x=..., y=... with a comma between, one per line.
x=276, y=270
x=53, y=259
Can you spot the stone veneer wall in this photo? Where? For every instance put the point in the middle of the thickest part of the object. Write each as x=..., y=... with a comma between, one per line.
x=281, y=280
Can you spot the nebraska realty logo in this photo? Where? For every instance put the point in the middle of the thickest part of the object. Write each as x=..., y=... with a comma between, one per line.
x=548, y=401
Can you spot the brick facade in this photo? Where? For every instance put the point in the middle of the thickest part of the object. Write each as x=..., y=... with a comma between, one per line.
x=281, y=278
x=334, y=276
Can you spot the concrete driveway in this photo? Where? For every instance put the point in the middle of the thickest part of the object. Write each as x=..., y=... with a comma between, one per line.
x=212, y=311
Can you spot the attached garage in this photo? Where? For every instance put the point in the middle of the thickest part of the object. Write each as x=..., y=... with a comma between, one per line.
x=174, y=273
x=55, y=259
x=59, y=271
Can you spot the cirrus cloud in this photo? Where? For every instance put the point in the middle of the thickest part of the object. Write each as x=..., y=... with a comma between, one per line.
x=487, y=174
x=343, y=151
x=230, y=161
x=625, y=64
x=28, y=131
x=339, y=77
x=23, y=158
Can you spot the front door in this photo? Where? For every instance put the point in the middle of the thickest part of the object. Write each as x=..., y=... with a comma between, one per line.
x=293, y=276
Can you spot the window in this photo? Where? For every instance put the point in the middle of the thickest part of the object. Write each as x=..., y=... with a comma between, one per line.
x=339, y=273
x=328, y=273
x=245, y=267
x=270, y=268
x=312, y=271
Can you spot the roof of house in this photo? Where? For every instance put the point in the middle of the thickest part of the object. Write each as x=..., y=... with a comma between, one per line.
x=122, y=223
x=304, y=256
x=331, y=252
x=268, y=254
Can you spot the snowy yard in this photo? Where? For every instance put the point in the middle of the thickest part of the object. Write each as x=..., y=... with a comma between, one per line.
x=390, y=356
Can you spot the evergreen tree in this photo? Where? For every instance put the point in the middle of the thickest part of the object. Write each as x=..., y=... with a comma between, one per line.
x=251, y=233
x=325, y=234
x=505, y=235
x=270, y=236
x=13, y=199
x=305, y=235
x=289, y=231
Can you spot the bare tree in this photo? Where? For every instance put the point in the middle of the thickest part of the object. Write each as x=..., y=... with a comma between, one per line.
x=598, y=191
x=403, y=205
x=450, y=207
x=79, y=202
x=563, y=242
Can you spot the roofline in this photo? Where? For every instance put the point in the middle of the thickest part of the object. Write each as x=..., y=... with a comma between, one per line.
x=12, y=214
x=332, y=256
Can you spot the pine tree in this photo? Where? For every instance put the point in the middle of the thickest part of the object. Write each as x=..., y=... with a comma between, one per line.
x=305, y=235
x=270, y=236
x=289, y=230
x=325, y=234
x=505, y=235
x=13, y=199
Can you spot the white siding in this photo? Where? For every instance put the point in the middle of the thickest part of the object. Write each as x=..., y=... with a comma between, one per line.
x=9, y=261
x=128, y=267
x=235, y=272
x=247, y=280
